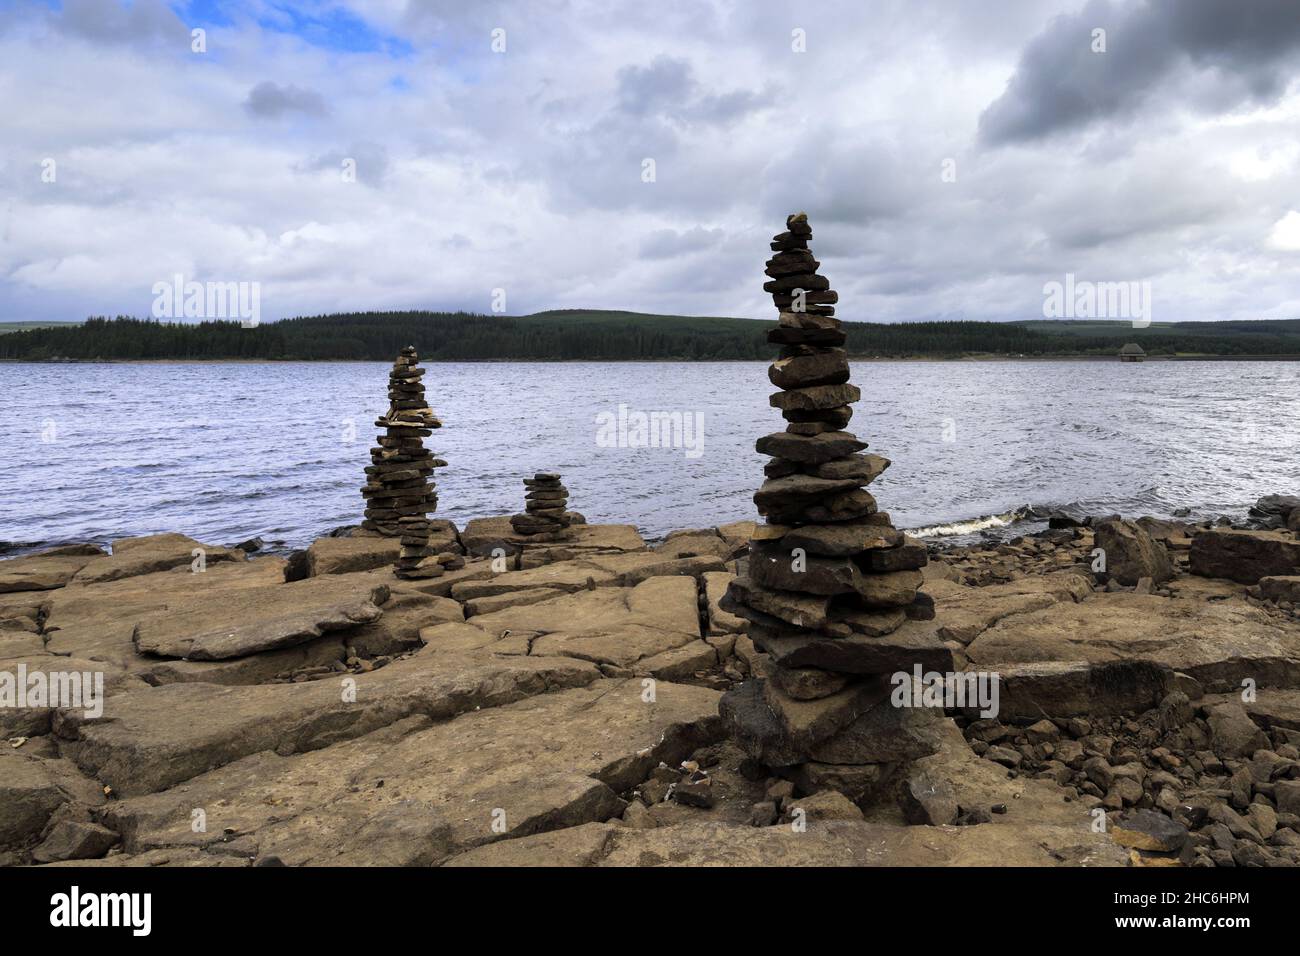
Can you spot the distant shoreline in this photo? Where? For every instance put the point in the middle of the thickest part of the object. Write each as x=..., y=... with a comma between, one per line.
x=606, y=336
x=662, y=361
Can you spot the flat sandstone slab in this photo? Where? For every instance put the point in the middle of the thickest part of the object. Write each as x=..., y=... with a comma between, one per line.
x=155, y=552
x=151, y=739
x=1217, y=642
x=613, y=570
x=209, y=628
x=1244, y=556
x=483, y=534
x=97, y=620
x=1272, y=707
x=1079, y=688
x=415, y=793
x=46, y=570
x=365, y=552
x=609, y=625
x=824, y=843
x=33, y=789
x=73, y=674
x=963, y=613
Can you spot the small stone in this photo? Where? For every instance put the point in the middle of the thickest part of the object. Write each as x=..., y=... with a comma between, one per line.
x=1130, y=790
x=1251, y=854
x=1149, y=830
x=1233, y=733
x=637, y=816
x=1263, y=818
x=826, y=805
x=654, y=791
x=780, y=790
x=1168, y=801
x=763, y=814
x=929, y=801
x=1099, y=771
x=75, y=840
x=695, y=791
x=1078, y=727
x=1043, y=730
x=1286, y=794
x=1005, y=756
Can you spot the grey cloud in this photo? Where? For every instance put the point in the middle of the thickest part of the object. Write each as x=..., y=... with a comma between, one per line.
x=841, y=179
x=726, y=107
x=664, y=84
x=103, y=21
x=1060, y=84
x=667, y=87
x=270, y=100
x=662, y=113
x=669, y=243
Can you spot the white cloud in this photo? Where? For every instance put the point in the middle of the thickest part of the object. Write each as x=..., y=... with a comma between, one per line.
x=1286, y=233
x=522, y=170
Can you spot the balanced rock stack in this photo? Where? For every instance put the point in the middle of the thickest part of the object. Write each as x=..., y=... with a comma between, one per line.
x=832, y=589
x=546, y=504
x=398, y=492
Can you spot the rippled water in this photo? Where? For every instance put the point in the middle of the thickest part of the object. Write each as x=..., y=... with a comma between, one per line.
x=227, y=451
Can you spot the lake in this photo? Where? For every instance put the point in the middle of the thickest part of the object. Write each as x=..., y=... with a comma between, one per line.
x=226, y=451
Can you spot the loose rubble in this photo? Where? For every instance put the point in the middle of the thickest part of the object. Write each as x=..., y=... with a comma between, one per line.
x=1193, y=783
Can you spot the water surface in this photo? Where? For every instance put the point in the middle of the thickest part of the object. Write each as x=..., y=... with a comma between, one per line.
x=225, y=451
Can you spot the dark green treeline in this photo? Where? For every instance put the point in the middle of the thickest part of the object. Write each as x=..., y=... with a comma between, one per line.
x=567, y=335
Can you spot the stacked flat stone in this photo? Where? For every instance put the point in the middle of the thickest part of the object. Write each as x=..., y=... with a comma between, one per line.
x=398, y=492
x=832, y=588
x=546, y=503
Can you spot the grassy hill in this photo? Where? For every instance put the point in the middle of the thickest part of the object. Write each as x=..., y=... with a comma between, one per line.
x=581, y=334
x=1262, y=336
x=25, y=326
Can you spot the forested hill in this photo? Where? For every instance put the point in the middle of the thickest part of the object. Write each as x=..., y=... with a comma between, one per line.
x=580, y=334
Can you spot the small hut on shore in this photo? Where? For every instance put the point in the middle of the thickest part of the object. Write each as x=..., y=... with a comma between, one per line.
x=1132, y=352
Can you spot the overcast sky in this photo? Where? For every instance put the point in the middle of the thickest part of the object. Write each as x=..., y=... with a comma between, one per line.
x=1173, y=156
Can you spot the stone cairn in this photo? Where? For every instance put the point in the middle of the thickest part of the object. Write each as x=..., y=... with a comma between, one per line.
x=546, y=503
x=398, y=492
x=831, y=584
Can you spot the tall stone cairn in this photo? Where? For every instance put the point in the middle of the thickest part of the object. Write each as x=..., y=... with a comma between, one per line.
x=832, y=588
x=399, y=494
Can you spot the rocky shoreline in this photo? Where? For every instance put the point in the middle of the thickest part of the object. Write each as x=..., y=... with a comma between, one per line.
x=532, y=689
x=559, y=702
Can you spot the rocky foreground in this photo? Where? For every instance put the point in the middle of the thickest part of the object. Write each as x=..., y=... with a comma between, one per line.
x=558, y=704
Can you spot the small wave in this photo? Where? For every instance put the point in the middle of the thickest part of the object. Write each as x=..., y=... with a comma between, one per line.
x=973, y=525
